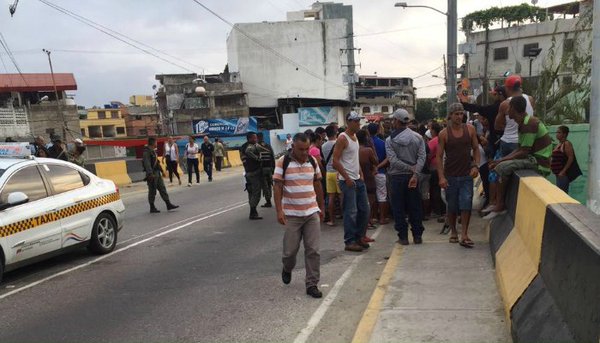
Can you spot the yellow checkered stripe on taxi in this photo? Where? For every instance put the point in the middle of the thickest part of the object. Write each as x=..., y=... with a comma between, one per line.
x=30, y=223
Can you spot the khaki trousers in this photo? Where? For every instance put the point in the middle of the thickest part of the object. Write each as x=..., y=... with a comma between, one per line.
x=307, y=229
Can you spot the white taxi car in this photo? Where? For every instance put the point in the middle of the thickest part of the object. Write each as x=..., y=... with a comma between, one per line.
x=49, y=205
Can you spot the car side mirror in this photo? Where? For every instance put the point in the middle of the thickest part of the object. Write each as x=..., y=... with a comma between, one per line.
x=15, y=199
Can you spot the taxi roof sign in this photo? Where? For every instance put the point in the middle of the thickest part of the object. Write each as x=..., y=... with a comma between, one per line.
x=22, y=150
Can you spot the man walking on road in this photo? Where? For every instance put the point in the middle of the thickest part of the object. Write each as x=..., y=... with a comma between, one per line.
x=352, y=184
x=267, y=158
x=219, y=154
x=457, y=171
x=405, y=150
x=253, y=169
x=154, y=177
x=299, y=204
x=208, y=150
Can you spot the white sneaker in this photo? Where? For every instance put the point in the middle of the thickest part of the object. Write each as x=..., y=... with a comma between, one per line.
x=494, y=214
x=189, y=185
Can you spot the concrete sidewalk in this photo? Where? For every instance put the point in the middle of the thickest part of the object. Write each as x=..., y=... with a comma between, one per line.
x=439, y=292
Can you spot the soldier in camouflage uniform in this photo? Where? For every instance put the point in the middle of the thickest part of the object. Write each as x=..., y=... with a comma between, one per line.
x=250, y=155
x=267, y=158
x=154, y=177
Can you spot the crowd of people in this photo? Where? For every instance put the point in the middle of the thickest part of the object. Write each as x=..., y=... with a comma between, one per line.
x=57, y=148
x=409, y=171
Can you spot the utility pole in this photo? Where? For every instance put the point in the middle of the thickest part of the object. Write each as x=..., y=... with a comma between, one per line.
x=451, y=47
x=351, y=71
x=445, y=71
x=58, y=106
x=593, y=201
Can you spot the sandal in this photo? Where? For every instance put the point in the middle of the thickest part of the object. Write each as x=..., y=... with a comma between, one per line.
x=330, y=223
x=467, y=243
x=453, y=240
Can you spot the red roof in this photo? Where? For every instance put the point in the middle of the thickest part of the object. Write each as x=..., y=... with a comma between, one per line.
x=36, y=82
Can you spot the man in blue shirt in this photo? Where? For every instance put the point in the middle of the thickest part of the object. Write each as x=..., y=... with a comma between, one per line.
x=380, y=179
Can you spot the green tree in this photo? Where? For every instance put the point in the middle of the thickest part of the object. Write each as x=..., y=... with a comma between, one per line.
x=426, y=109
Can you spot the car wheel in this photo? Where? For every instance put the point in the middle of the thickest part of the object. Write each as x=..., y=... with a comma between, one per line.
x=104, y=234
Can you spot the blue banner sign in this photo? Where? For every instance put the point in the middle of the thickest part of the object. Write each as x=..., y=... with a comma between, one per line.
x=311, y=116
x=225, y=126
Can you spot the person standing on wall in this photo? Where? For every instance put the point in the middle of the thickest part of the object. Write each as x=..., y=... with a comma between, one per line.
x=456, y=172
x=299, y=204
x=208, y=150
x=267, y=158
x=154, y=177
x=191, y=154
x=219, y=154
x=171, y=157
x=253, y=173
x=352, y=184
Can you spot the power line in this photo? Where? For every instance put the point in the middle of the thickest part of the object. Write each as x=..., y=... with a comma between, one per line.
x=114, y=34
x=11, y=57
x=427, y=73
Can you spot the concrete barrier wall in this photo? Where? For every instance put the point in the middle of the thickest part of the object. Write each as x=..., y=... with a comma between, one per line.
x=547, y=255
x=113, y=170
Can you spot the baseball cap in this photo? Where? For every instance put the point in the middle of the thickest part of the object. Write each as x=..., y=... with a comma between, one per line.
x=401, y=115
x=456, y=107
x=353, y=116
x=513, y=82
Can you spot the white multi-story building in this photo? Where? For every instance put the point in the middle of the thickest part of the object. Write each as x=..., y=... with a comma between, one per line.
x=297, y=58
x=525, y=49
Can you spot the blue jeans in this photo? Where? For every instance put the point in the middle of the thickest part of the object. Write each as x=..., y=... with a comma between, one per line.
x=404, y=198
x=356, y=210
x=459, y=194
x=563, y=182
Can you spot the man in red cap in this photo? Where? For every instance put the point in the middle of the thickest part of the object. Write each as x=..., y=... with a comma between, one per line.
x=509, y=141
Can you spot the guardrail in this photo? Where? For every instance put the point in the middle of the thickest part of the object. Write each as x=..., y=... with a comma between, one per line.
x=547, y=256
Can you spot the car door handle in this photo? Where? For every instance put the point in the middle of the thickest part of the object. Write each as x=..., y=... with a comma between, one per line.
x=51, y=211
x=21, y=243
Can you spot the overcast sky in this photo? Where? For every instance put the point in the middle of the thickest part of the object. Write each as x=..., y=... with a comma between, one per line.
x=107, y=69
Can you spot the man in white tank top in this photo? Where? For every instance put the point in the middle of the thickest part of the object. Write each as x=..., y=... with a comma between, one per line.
x=509, y=141
x=352, y=184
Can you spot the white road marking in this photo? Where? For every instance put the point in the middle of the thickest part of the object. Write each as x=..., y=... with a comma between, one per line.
x=318, y=315
x=120, y=250
x=176, y=223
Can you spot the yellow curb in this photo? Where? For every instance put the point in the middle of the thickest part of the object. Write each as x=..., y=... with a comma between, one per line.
x=367, y=323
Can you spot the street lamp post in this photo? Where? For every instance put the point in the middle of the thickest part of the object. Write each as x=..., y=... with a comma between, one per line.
x=451, y=46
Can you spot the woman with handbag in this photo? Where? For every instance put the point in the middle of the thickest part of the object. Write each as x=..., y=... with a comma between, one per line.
x=564, y=164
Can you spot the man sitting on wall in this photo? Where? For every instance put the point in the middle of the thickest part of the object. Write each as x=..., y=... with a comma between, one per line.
x=535, y=149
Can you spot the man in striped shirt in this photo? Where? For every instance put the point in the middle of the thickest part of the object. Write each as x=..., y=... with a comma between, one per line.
x=299, y=204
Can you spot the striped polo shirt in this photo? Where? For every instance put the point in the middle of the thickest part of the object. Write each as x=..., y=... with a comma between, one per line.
x=533, y=134
x=299, y=197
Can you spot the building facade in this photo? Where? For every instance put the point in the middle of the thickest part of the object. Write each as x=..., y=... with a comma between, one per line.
x=380, y=96
x=142, y=100
x=29, y=106
x=107, y=122
x=309, y=56
x=184, y=99
x=526, y=49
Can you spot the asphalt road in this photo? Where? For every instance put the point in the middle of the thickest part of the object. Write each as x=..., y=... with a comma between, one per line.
x=203, y=272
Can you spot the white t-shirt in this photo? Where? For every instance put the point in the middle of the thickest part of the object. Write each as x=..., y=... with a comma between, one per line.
x=288, y=143
x=191, y=151
x=511, y=130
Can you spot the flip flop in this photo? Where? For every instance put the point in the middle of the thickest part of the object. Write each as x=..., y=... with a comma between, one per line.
x=465, y=243
x=453, y=240
x=330, y=223
x=445, y=229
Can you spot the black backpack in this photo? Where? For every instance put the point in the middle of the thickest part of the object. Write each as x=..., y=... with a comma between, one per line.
x=287, y=159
